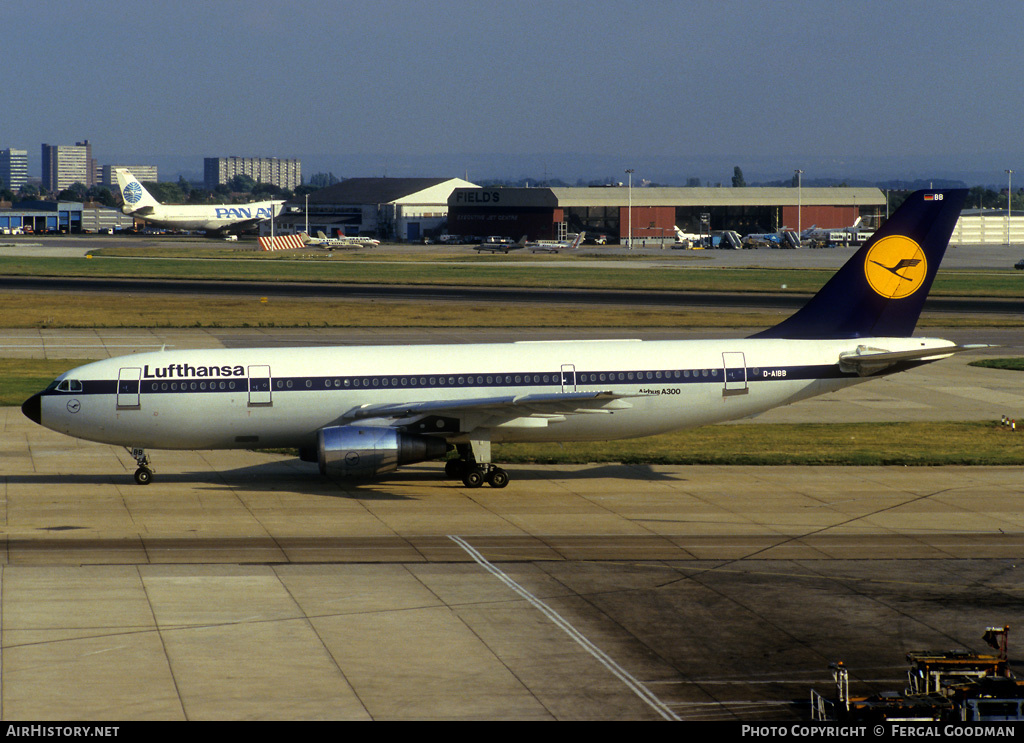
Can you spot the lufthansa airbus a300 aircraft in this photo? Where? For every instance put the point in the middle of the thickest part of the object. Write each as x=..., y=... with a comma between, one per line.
x=365, y=411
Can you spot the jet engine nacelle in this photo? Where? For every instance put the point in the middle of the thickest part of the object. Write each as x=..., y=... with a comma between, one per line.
x=367, y=451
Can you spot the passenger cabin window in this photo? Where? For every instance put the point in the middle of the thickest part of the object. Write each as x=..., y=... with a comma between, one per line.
x=69, y=385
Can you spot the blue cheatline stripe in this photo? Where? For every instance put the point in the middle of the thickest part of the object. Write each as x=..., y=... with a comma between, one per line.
x=663, y=377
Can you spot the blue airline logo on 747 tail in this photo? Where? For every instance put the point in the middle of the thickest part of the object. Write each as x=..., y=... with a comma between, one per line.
x=895, y=267
x=133, y=193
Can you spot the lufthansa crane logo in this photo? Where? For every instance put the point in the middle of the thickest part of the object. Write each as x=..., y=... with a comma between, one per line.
x=132, y=193
x=895, y=267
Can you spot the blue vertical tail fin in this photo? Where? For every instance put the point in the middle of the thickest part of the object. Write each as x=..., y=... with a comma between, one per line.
x=880, y=291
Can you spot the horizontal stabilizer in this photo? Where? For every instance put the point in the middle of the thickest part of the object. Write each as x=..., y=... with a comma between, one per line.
x=867, y=361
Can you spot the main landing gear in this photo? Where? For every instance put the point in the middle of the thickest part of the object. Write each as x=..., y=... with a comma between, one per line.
x=144, y=474
x=472, y=473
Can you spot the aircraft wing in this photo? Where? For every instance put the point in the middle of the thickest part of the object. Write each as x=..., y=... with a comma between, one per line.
x=246, y=224
x=868, y=361
x=498, y=409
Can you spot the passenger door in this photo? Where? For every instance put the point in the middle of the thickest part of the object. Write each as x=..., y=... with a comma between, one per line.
x=259, y=386
x=735, y=373
x=129, y=382
x=568, y=377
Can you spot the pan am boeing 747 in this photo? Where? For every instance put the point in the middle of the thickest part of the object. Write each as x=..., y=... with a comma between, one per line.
x=138, y=202
x=365, y=411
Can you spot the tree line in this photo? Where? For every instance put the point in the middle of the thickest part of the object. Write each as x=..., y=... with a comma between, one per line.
x=239, y=189
x=76, y=192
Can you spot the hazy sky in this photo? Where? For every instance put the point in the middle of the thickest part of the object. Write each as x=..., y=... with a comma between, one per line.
x=777, y=79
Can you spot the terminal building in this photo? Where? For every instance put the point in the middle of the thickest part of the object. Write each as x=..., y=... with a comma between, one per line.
x=653, y=213
x=390, y=209
x=41, y=217
x=989, y=227
x=98, y=218
x=61, y=217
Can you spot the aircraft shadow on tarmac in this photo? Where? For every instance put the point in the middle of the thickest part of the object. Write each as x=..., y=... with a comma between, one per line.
x=274, y=476
x=291, y=475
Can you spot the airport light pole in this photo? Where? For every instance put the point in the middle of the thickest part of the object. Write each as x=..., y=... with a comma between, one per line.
x=1009, y=201
x=799, y=203
x=629, y=233
x=307, y=214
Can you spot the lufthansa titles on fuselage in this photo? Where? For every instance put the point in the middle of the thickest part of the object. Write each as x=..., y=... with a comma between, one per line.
x=187, y=370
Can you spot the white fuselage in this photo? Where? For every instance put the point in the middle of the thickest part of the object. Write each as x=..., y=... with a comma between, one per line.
x=226, y=398
x=207, y=217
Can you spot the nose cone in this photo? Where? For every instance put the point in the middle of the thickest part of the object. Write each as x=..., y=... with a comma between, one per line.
x=32, y=408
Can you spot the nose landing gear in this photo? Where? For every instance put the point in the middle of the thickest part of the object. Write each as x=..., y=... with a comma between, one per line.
x=144, y=474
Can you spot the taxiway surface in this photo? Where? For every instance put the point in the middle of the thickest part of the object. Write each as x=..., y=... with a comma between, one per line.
x=242, y=585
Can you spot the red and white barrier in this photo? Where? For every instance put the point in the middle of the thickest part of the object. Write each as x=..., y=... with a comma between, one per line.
x=282, y=242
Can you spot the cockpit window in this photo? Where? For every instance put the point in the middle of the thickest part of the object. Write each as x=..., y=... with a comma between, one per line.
x=69, y=385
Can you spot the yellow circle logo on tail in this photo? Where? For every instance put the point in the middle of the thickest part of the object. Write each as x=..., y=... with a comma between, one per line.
x=895, y=267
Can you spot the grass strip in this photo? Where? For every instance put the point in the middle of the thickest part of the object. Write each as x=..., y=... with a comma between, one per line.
x=127, y=310
x=1013, y=364
x=22, y=378
x=100, y=310
x=851, y=444
x=479, y=273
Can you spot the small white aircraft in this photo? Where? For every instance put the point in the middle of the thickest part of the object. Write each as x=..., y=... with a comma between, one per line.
x=499, y=244
x=554, y=246
x=688, y=239
x=365, y=411
x=330, y=243
x=138, y=202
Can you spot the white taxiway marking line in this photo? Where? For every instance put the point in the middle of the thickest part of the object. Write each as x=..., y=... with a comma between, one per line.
x=636, y=686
